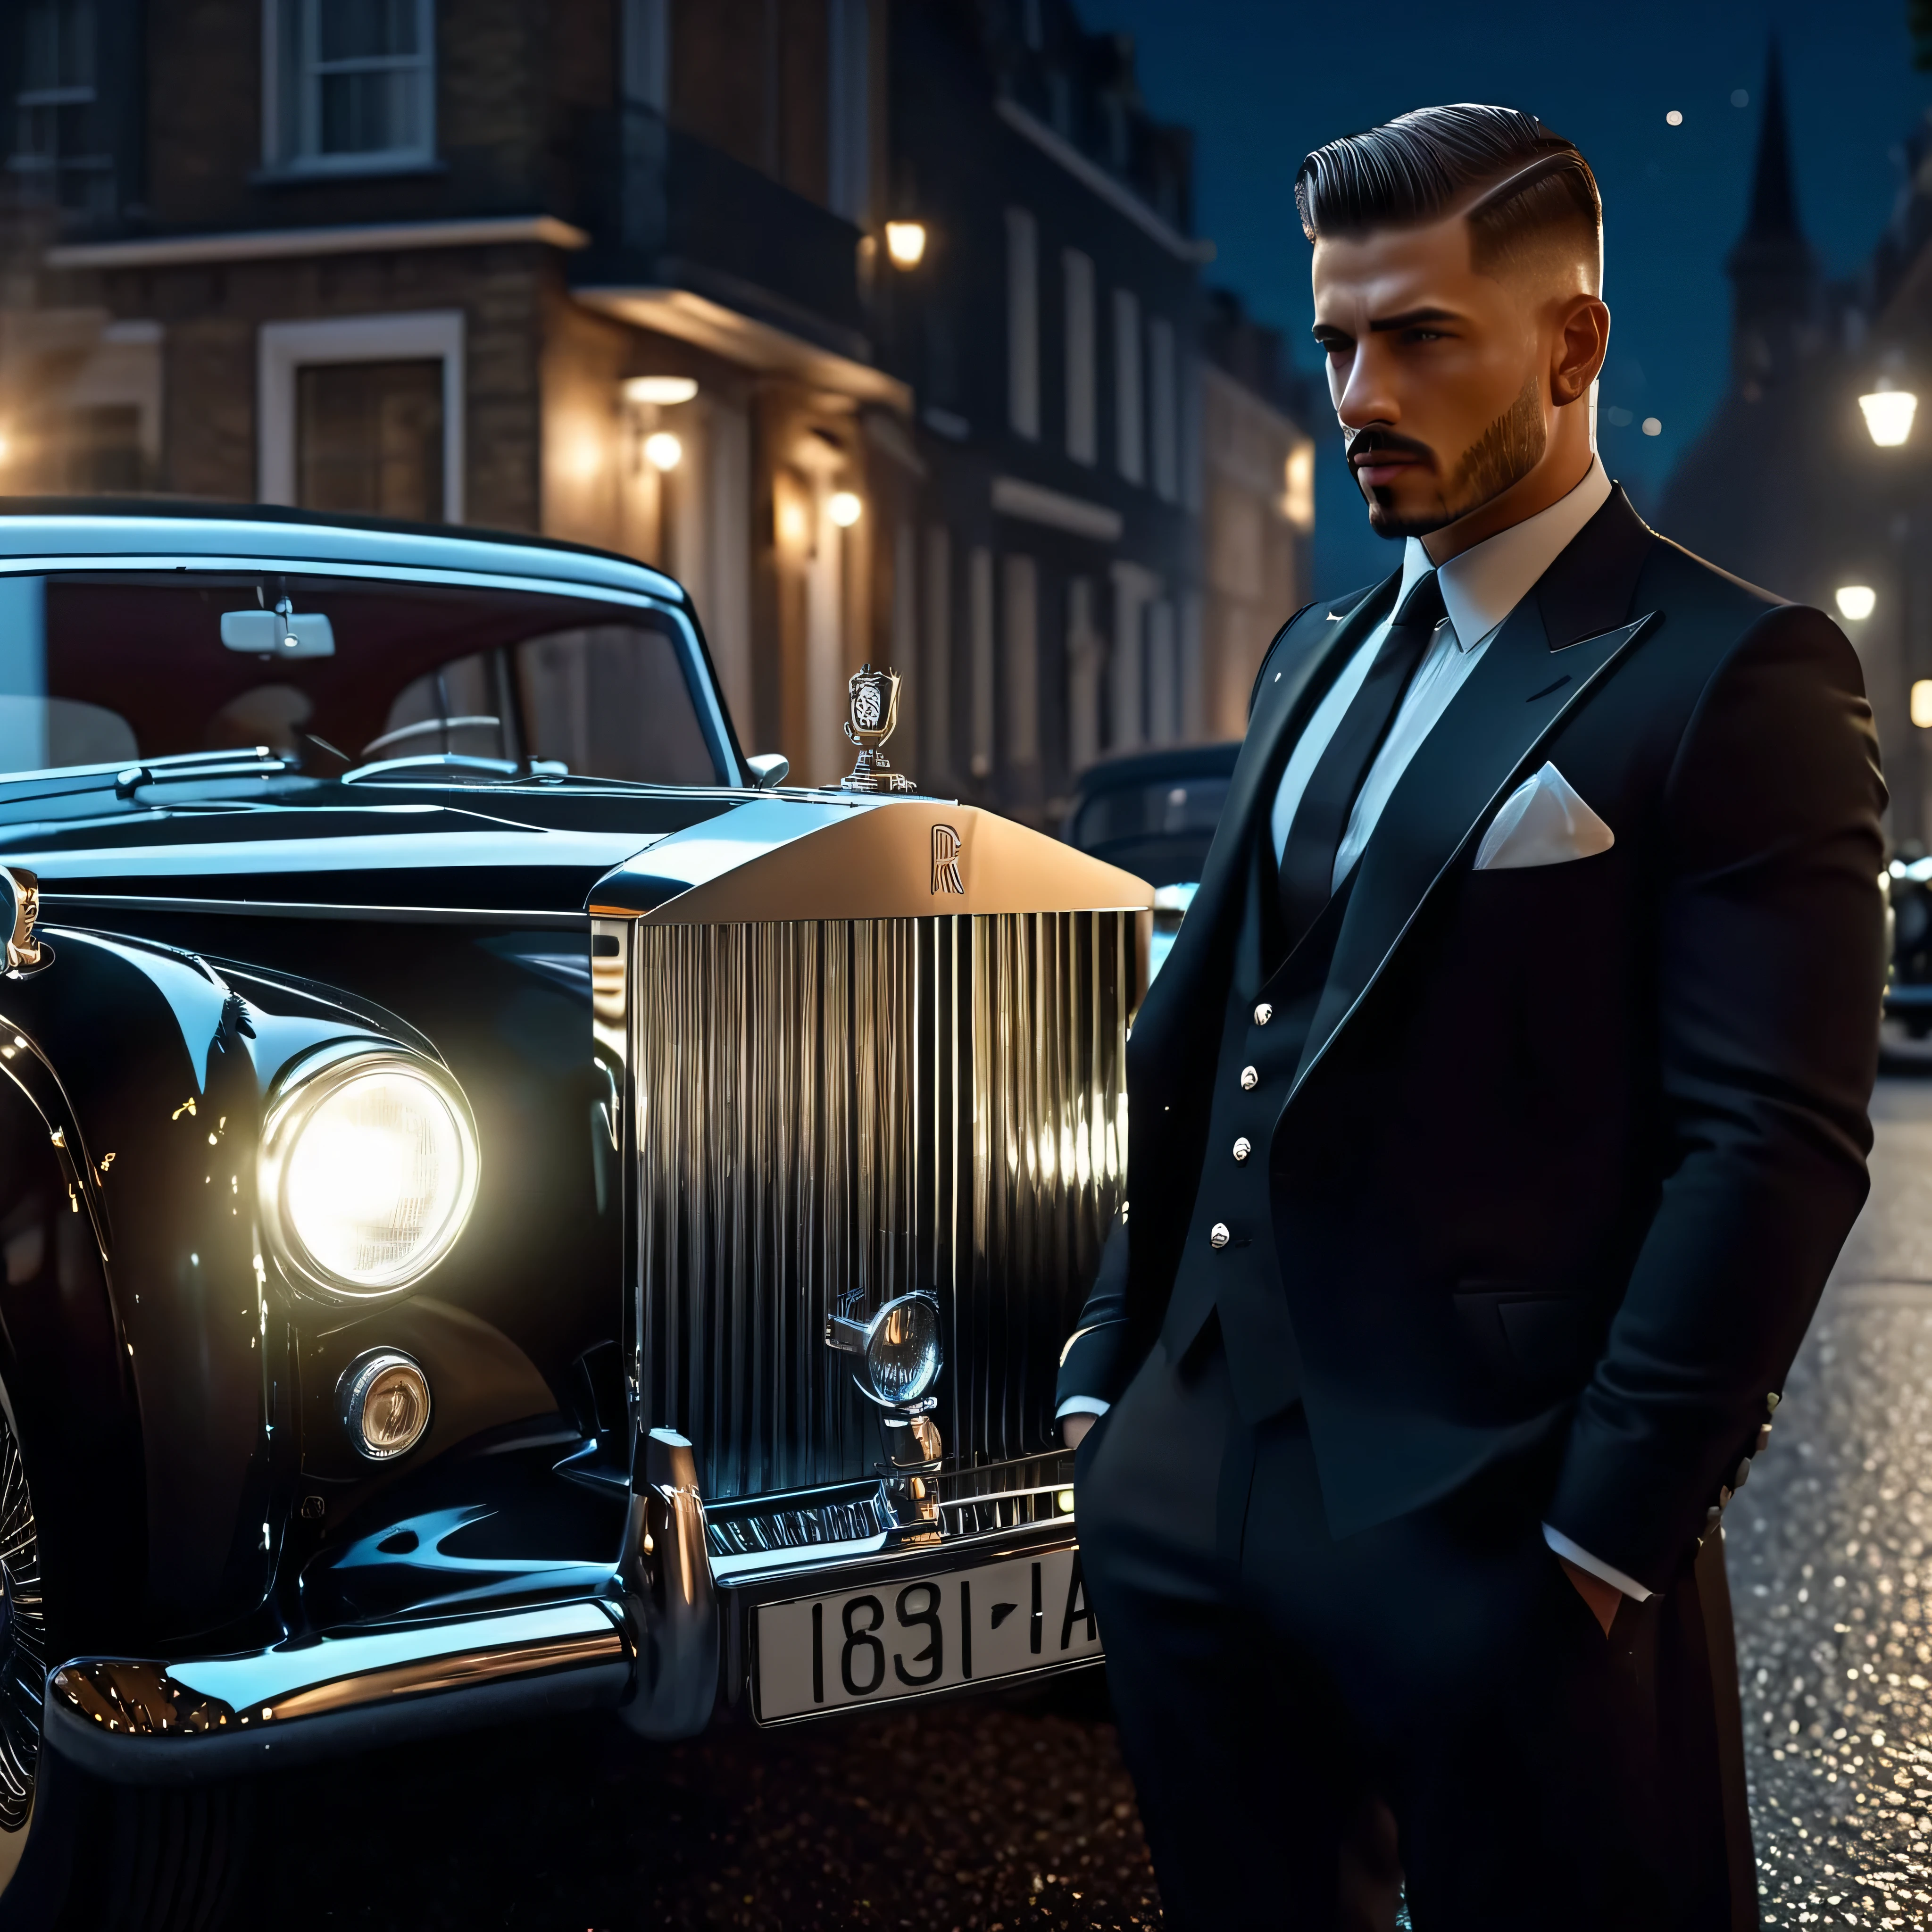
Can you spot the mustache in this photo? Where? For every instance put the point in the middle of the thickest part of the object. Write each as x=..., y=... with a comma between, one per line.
x=1358, y=446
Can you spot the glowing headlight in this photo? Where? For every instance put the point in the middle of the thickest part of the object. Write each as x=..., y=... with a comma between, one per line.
x=368, y=1172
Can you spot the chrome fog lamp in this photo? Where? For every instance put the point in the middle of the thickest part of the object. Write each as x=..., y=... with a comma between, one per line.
x=368, y=1171
x=898, y=1349
x=382, y=1398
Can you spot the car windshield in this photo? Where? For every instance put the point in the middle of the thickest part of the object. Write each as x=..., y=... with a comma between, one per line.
x=99, y=666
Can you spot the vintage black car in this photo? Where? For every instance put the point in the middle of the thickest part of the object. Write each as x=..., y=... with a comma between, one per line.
x=1153, y=813
x=505, y=1207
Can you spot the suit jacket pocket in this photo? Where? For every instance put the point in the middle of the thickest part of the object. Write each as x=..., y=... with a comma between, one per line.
x=1528, y=1336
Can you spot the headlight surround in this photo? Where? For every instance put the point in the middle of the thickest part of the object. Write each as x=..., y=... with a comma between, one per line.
x=368, y=1171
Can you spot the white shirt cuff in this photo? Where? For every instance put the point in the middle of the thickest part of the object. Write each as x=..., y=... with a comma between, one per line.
x=1081, y=1405
x=1597, y=1567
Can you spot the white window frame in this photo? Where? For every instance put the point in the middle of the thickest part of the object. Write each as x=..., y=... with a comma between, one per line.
x=292, y=150
x=284, y=347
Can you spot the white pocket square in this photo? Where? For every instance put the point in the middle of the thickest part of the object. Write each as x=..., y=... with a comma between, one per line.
x=1544, y=822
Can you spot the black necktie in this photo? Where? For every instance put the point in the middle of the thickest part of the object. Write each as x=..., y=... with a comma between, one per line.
x=1315, y=835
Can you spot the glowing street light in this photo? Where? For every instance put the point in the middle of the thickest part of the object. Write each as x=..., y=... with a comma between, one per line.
x=1889, y=414
x=1856, y=602
x=905, y=242
x=846, y=509
x=662, y=451
x=1921, y=703
x=667, y=390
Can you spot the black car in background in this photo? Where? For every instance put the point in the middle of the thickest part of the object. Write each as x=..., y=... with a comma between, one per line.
x=1153, y=813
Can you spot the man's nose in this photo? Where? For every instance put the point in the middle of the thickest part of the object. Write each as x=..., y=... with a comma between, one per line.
x=1365, y=398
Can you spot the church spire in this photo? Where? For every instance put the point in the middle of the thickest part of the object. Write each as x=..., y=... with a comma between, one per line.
x=1773, y=274
x=1774, y=206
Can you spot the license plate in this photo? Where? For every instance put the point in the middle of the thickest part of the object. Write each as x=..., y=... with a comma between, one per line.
x=868, y=1646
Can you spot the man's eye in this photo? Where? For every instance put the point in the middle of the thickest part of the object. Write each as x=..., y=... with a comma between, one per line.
x=1425, y=335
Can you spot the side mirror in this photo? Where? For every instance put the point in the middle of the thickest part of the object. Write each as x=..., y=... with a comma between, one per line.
x=769, y=770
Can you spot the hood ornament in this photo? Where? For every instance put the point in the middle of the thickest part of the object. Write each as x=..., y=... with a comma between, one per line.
x=874, y=700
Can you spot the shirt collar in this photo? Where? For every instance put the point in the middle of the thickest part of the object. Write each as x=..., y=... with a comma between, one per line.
x=1482, y=585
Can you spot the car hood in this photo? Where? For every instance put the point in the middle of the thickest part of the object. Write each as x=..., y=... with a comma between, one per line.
x=316, y=847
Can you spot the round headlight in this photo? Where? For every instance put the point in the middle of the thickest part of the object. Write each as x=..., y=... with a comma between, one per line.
x=901, y=1352
x=368, y=1172
x=384, y=1401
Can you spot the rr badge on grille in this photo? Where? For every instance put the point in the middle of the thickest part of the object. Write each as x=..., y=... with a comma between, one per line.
x=875, y=701
x=945, y=861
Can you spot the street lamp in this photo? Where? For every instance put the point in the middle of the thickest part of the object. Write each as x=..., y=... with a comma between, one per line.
x=1889, y=414
x=905, y=242
x=668, y=391
x=1856, y=602
x=846, y=508
x=662, y=451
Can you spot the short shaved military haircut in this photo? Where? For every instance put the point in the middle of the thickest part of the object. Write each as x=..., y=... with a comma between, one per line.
x=1534, y=192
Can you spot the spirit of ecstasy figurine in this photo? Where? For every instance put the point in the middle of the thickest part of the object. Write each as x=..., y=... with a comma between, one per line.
x=875, y=696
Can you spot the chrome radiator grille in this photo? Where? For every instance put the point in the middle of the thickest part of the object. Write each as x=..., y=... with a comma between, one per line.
x=832, y=1113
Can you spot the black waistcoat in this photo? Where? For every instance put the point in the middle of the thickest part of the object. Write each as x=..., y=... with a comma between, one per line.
x=1229, y=1265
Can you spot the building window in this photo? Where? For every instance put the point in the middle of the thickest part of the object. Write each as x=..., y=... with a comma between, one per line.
x=1022, y=323
x=1022, y=679
x=1077, y=275
x=1129, y=456
x=363, y=414
x=369, y=438
x=979, y=644
x=936, y=735
x=849, y=144
x=351, y=84
x=1163, y=407
x=59, y=157
x=645, y=59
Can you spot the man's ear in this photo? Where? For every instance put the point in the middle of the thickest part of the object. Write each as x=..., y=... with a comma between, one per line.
x=1582, y=341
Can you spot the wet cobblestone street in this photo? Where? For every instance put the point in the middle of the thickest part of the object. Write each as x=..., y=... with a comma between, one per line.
x=1830, y=1553
x=990, y=1816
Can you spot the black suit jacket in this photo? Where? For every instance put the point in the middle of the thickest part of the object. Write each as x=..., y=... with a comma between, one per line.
x=1571, y=1148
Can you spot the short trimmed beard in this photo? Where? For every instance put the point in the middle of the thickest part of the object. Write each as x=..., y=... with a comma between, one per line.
x=1501, y=458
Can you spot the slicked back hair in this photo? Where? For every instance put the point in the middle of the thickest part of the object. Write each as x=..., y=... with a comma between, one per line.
x=1530, y=187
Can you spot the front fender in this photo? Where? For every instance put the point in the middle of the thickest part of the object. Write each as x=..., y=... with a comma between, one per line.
x=148, y=1068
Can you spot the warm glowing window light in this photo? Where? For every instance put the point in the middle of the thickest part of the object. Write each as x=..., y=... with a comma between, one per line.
x=1856, y=601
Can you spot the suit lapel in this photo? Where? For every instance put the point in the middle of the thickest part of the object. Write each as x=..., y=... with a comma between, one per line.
x=1287, y=692
x=1556, y=646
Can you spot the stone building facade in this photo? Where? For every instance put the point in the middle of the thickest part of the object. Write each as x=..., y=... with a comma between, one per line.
x=618, y=271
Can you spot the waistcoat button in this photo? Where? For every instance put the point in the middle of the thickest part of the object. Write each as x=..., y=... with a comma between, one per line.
x=1264, y=1013
x=1250, y=1080
x=1244, y=1147
x=1218, y=1236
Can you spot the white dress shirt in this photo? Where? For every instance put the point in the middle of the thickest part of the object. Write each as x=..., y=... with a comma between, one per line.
x=1480, y=588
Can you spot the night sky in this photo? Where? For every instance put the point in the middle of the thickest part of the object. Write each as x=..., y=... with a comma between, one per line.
x=1262, y=81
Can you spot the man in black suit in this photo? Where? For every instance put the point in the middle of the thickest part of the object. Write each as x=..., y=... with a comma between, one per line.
x=1496, y=1121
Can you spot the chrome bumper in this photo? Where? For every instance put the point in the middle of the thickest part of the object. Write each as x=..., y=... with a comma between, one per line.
x=135, y=1722
x=675, y=1621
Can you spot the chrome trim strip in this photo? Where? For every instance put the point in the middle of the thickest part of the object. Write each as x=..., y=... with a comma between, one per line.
x=308, y=1678
x=571, y=922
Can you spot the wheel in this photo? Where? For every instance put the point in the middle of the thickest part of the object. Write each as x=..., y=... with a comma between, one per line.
x=74, y=1851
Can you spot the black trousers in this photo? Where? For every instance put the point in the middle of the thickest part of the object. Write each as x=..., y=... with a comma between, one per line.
x=1281, y=1694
